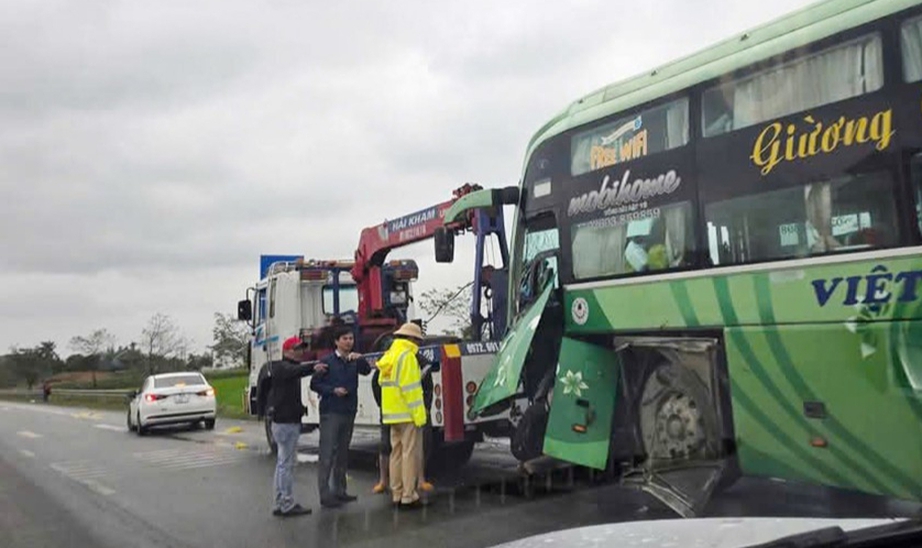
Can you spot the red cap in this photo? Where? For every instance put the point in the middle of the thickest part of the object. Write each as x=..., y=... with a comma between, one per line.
x=291, y=343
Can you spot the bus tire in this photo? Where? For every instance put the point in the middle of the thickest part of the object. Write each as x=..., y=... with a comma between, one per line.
x=676, y=416
x=527, y=441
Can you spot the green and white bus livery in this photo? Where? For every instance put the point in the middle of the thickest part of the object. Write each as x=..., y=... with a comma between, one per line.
x=717, y=265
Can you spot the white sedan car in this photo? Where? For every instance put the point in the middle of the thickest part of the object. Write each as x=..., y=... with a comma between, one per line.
x=170, y=399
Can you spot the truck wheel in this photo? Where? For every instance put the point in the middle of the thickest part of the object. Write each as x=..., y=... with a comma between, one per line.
x=458, y=454
x=445, y=457
x=273, y=447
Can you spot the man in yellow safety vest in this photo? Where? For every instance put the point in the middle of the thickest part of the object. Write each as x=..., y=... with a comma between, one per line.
x=403, y=408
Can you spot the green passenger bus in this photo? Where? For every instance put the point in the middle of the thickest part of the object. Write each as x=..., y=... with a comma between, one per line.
x=717, y=265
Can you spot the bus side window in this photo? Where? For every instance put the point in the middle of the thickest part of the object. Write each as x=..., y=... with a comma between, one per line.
x=849, y=213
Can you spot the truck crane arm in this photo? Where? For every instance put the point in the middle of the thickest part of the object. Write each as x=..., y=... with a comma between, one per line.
x=377, y=241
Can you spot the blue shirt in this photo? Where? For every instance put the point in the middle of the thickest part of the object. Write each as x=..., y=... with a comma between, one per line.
x=341, y=373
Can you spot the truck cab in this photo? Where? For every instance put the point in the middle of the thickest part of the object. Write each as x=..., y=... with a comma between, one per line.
x=305, y=299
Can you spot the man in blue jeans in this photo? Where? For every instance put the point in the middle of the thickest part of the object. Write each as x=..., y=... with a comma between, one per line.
x=338, y=388
x=285, y=409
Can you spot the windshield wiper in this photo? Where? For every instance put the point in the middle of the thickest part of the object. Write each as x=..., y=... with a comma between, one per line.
x=903, y=533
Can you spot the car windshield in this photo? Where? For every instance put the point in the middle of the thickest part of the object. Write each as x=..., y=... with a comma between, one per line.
x=178, y=380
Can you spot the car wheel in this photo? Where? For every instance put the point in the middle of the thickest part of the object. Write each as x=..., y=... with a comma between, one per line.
x=209, y=424
x=128, y=420
x=140, y=429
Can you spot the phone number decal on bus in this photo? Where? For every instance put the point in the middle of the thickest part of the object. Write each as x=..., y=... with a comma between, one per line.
x=486, y=347
x=624, y=218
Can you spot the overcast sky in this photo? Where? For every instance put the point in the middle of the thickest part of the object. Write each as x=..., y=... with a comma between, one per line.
x=151, y=151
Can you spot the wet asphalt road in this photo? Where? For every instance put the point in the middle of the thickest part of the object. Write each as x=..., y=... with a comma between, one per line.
x=71, y=477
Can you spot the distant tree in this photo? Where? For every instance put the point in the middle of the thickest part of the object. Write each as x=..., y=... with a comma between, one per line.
x=93, y=347
x=231, y=340
x=47, y=352
x=454, y=304
x=7, y=375
x=30, y=364
x=197, y=362
x=161, y=342
x=128, y=357
x=76, y=362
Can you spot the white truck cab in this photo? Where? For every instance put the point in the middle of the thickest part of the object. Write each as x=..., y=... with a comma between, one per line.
x=302, y=298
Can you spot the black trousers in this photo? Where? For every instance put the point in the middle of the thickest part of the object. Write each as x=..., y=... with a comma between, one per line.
x=335, y=437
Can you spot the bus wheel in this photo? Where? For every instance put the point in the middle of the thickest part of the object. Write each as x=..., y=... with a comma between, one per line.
x=678, y=420
x=273, y=447
x=527, y=440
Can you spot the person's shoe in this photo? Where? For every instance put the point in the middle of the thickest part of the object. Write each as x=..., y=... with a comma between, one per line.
x=346, y=498
x=426, y=486
x=276, y=511
x=415, y=505
x=331, y=503
x=296, y=510
x=378, y=488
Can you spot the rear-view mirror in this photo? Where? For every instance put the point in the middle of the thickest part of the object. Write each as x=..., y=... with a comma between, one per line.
x=444, y=245
x=244, y=311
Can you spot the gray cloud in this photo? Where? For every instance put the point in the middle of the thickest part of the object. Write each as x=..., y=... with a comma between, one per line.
x=149, y=152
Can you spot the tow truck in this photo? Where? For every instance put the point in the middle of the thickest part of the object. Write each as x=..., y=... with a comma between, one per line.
x=372, y=295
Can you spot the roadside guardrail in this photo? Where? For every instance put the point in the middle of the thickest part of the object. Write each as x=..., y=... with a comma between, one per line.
x=108, y=393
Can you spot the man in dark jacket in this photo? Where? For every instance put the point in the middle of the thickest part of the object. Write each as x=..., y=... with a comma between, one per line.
x=338, y=389
x=285, y=409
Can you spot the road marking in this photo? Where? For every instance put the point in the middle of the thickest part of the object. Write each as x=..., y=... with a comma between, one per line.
x=85, y=473
x=27, y=453
x=99, y=488
x=41, y=409
x=112, y=427
x=233, y=430
x=28, y=434
x=188, y=459
x=80, y=470
x=308, y=458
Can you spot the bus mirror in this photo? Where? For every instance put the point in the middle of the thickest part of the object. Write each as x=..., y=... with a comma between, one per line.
x=509, y=195
x=444, y=245
x=244, y=311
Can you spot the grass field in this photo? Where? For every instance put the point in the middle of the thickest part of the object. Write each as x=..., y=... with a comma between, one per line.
x=228, y=385
x=229, y=392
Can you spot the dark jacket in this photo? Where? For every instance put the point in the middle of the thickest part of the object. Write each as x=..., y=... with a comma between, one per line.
x=283, y=401
x=343, y=374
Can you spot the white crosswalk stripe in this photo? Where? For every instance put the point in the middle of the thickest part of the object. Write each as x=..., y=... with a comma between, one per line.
x=188, y=459
x=85, y=472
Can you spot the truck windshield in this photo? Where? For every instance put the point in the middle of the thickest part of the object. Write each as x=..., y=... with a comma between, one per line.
x=348, y=298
